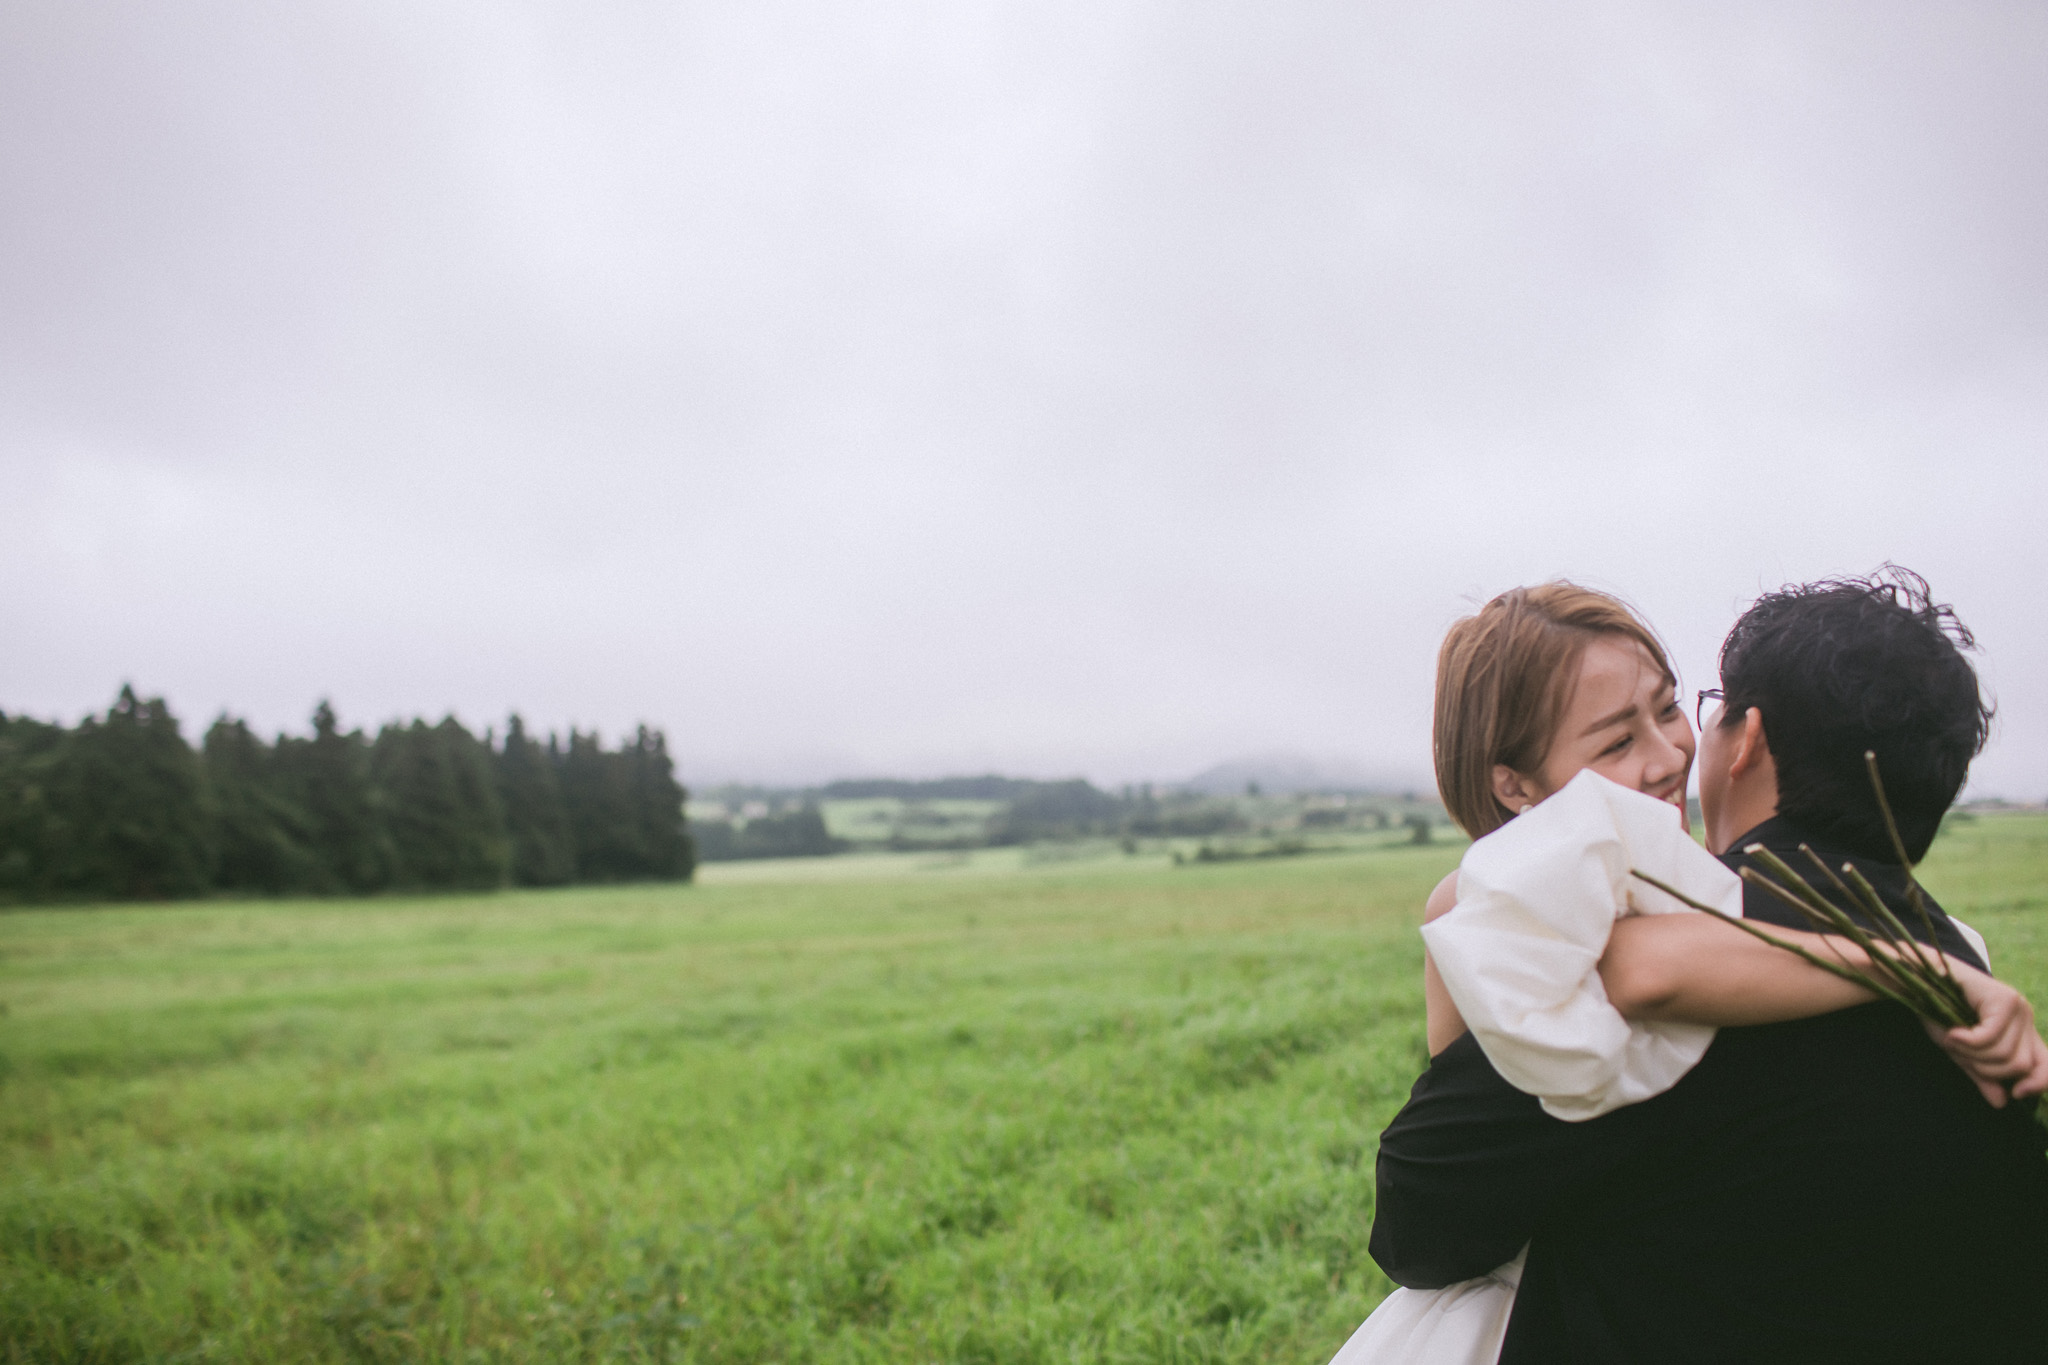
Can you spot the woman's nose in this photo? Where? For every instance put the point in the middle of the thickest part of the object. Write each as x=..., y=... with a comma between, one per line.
x=1665, y=757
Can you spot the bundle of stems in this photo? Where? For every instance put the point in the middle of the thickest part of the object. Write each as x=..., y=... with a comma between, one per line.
x=1901, y=968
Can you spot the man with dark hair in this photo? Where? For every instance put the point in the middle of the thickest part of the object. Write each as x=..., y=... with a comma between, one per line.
x=1826, y=672
x=1828, y=1189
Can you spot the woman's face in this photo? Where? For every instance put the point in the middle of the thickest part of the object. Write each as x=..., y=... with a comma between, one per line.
x=1623, y=721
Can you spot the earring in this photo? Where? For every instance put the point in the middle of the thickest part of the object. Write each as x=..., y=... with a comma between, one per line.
x=1525, y=809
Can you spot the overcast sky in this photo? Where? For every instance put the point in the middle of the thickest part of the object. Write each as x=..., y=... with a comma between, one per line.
x=1106, y=388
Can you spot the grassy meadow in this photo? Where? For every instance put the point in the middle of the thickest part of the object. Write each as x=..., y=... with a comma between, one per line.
x=987, y=1108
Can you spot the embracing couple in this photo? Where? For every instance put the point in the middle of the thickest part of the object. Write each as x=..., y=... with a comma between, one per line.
x=1660, y=1138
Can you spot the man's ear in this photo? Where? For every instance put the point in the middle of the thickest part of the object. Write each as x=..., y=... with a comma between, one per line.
x=1513, y=790
x=1752, y=747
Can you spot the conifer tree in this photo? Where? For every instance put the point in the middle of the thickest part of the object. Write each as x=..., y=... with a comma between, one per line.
x=328, y=777
x=626, y=810
x=28, y=752
x=536, y=818
x=601, y=811
x=441, y=806
x=126, y=798
x=262, y=838
x=122, y=807
x=658, y=799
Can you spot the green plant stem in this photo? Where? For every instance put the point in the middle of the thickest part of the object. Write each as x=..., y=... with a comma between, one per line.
x=1933, y=992
x=1891, y=829
x=1888, y=918
x=1829, y=918
x=1939, y=976
x=1901, y=986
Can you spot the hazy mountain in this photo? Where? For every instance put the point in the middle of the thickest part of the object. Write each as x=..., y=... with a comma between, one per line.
x=1282, y=773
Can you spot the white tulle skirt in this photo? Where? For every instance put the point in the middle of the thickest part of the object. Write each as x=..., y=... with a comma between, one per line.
x=1460, y=1324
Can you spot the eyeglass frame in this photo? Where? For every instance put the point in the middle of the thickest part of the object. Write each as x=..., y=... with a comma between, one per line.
x=1699, y=706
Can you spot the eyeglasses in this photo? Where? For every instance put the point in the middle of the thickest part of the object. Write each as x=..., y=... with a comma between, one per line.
x=1699, y=707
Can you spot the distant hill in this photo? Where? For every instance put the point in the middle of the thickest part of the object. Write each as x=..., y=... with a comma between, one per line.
x=1288, y=774
x=988, y=787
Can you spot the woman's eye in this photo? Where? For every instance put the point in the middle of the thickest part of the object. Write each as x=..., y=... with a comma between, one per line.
x=1617, y=746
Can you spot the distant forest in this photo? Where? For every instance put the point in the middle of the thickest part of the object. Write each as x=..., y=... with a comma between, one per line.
x=120, y=807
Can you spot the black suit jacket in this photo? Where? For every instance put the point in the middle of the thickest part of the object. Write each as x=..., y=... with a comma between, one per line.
x=1821, y=1190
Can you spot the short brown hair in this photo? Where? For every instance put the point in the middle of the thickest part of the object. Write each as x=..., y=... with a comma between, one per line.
x=1503, y=680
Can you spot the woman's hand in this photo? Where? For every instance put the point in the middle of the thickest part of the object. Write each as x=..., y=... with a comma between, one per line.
x=2002, y=1052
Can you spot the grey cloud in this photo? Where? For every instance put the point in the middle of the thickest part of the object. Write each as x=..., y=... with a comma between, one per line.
x=1107, y=388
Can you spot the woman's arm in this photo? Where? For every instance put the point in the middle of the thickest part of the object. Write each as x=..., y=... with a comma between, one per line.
x=1692, y=969
x=1445, y=1025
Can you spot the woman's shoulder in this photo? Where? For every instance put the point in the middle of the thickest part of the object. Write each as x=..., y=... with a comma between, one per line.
x=1442, y=899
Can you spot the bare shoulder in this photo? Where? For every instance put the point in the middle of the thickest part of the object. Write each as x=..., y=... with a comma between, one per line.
x=1442, y=899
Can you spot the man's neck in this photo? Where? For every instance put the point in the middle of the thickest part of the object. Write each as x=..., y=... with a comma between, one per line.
x=1746, y=807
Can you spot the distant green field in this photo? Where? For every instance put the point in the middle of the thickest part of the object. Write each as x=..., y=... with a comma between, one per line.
x=879, y=819
x=906, y=1108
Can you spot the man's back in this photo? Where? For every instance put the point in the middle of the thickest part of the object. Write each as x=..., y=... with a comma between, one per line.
x=1828, y=1189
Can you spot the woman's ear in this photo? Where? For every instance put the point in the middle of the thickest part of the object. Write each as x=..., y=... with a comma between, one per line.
x=1513, y=790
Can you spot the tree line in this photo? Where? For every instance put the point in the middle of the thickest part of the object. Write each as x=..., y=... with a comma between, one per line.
x=120, y=807
x=792, y=834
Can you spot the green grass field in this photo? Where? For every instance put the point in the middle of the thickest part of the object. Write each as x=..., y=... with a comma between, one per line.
x=973, y=1109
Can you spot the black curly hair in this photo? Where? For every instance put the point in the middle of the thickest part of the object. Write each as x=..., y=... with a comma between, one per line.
x=1849, y=665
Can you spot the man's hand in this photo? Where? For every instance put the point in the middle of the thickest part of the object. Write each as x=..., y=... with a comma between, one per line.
x=2002, y=1052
